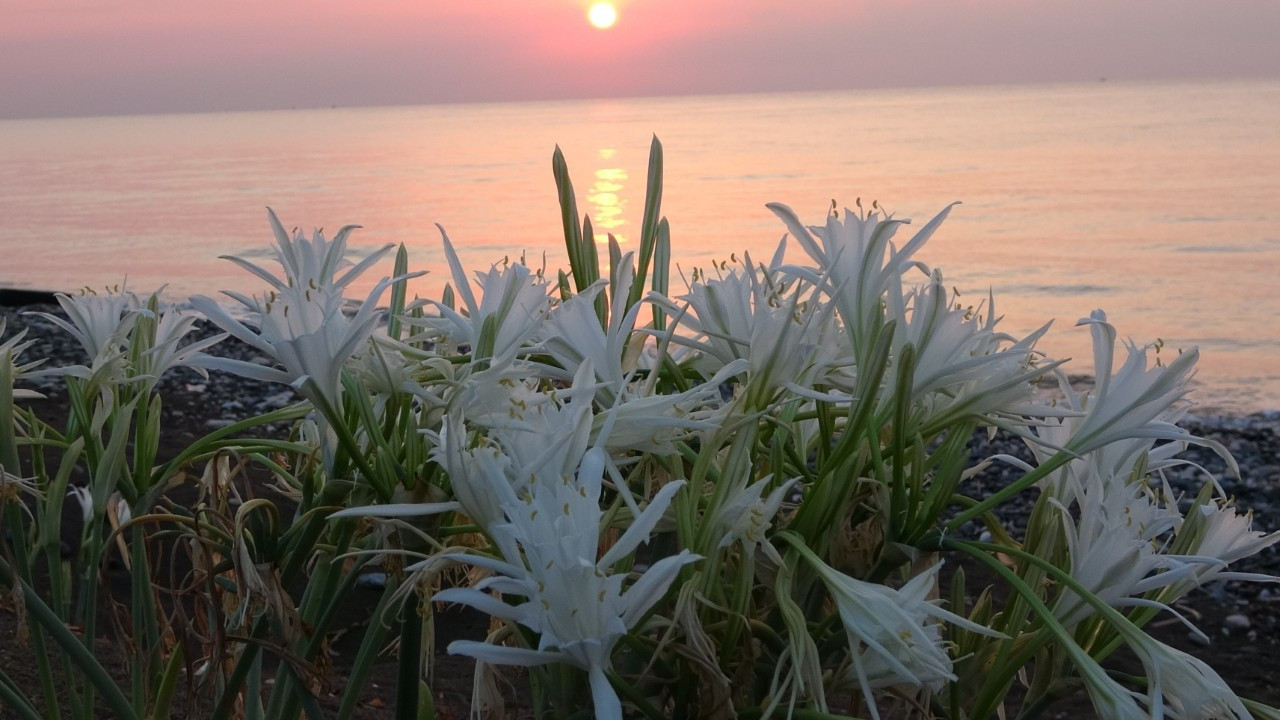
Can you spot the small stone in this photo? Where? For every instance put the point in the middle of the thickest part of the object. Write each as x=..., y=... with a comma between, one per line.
x=374, y=580
x=218, y=423
x=1236, y=622
x=274, y=402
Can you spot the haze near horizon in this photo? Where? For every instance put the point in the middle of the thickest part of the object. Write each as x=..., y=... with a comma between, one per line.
x=92, y=57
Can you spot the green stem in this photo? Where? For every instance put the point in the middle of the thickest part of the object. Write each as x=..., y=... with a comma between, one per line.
x=12, y=697
x=70, y=644
x=626, y=690
x=18, y=539
x=367, y=654
x=168, y=682
x=212, y=440
x=1017, y=486
x=410, y=662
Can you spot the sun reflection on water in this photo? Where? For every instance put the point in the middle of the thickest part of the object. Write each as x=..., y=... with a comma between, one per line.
x=605, y=197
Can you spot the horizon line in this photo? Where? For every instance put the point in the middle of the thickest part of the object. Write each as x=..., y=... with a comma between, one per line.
x=666, y=96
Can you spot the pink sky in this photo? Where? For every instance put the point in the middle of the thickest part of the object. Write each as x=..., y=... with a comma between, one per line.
x=86, y=57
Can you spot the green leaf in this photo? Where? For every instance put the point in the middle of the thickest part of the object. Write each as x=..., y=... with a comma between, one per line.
x=652, y=215
x=399, y=291
x=569, y=219
x=661, y=272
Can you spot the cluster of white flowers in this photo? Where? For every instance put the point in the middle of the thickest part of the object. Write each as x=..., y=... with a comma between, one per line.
x=550, y=422
x=793, y=417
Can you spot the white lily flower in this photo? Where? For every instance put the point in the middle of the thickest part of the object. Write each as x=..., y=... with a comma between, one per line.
x=857, y=262
x=497, y=395
x=572, y=334
x=166, y=351
x=1228, y=535
x=952, y=345
x=1221, y=535
x=482, y=478
x=546, y=434
x=84, y=498
x=785, y=341
x=512, y=300
x=307, y=263
x=301, y=324
x=99, y=322
x=540, y=503
x=1192, y=689
x=107, y=327
x=962, y=364
x=1114, y=547
x=892, y=640
x=578, y=609
x=652, y=424
x=540, y=441
x=721, y=314
x=102, y=325
x=385, y=366
x=746, y=517
x=305, y=331
x=1136, y=401
x=9, y=351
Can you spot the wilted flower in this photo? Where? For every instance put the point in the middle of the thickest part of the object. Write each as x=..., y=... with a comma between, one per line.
x=12, y=488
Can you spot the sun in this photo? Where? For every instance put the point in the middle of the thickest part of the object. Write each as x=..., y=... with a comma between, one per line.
x=602, y=15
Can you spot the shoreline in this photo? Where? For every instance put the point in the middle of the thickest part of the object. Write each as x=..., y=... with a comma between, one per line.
x=16, y=301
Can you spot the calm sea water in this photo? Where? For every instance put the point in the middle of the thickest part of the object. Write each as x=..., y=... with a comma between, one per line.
x=1158, y=203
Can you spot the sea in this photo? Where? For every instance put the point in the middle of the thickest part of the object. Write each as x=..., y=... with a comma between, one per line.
x=1158, y=203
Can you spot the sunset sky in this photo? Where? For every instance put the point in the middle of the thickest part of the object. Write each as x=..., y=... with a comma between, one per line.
x=89, y=57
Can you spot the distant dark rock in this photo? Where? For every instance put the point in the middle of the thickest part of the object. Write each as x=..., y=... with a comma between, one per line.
x=11, y=297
